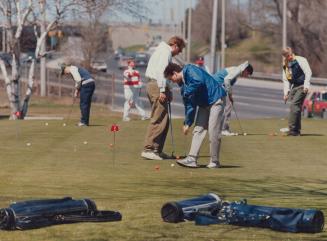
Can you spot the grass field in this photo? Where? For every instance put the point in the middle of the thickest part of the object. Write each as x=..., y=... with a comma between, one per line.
x=266, y=170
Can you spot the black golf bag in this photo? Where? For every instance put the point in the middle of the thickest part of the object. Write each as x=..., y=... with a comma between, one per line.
x=242, y=214
x=174, y=212
x=41, y=213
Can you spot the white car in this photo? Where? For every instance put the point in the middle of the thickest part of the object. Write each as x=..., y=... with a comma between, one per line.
x=99, y=65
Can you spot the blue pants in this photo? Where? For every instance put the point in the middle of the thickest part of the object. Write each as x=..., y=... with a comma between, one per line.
x=86, y=94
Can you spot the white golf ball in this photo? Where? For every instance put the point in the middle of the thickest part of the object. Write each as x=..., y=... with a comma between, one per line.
x=85, y=142
x=64, y=124
x=28, y=144
x=46, y=123
x=244, y=134
x=172, y=165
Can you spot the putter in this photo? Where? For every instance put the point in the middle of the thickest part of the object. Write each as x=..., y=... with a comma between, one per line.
x=171, y=131
x=238, y=120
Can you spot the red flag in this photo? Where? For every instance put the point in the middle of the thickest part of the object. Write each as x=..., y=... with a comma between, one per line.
x=114, y=128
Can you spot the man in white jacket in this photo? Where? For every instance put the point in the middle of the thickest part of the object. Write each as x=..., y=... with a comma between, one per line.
x=159, y=95
x=296, y=78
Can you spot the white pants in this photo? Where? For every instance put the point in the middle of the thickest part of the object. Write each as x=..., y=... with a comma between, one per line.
x=208, y=118
x=132, y=99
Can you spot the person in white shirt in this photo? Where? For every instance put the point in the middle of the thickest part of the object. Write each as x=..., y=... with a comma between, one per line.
x=159, y=95
x=132, y=88
x=296, y=79
x=229, y=77
x=84, y=87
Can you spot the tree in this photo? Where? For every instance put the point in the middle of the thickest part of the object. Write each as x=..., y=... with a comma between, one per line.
x=306, y=32
x=16, y=14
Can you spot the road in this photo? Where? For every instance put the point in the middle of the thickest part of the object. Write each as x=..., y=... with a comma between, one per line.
x=253, y=98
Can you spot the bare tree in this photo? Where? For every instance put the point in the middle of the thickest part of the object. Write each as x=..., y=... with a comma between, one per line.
x=16, y=14
x=306, y=32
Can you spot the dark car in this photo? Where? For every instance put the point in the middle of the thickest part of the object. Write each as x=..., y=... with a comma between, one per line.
x=7, y=58
x=141, y=59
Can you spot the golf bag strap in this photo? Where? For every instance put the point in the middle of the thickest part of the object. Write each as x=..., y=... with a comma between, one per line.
x=99, y=216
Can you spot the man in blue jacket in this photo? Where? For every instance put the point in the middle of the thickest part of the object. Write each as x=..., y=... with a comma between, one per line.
x=200, y=89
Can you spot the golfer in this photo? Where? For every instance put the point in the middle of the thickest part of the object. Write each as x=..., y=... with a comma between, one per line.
x=84, y=87
x=228, y=77
x=200, y=89
x=132, y=88
x=159, y=95
x=296, y=78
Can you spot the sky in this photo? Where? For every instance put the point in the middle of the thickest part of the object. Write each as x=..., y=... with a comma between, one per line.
x=164, y=11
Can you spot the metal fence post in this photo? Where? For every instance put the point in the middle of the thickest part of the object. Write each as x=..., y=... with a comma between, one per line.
x=113, y=92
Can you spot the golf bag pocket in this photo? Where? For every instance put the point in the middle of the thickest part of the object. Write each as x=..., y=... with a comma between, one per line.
x=42, y=213
x=174, y=212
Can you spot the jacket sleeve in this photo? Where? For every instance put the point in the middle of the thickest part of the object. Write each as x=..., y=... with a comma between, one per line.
x=286, y=83
x=306, y=70
x=194, y=83
x=233, y=73
x=76, y=76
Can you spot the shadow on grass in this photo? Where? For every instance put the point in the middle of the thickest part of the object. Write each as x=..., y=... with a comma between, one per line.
x=312, y=135
x=222, y=166
x=96, y=125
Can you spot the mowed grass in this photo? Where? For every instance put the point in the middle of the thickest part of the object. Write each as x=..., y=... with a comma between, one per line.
x=266, y=170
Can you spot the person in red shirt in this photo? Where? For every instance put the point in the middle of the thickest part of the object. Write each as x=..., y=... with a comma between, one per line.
x=132, y=88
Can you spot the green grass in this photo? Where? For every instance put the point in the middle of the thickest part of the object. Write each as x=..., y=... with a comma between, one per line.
x=267, y=170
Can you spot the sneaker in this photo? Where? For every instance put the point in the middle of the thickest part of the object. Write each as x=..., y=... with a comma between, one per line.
x=81, y=124
x=151, y=155
x=145, y=118
x=213, y=165
x=188, y=162
x=164, y=155
x=126, y=119
x=228, y=133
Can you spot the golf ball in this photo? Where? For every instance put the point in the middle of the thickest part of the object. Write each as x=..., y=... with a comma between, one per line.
x=85, y=142
x=64, y=124
x=244, y=134
x=28, y=144
x=46, y=123
x=172, y=165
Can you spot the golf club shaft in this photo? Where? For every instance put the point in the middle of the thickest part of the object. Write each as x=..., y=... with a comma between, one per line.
x=171, y=129
x=238, y=120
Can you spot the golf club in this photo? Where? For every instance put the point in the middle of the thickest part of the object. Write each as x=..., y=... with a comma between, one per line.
x=171, y=131
x=238, y=120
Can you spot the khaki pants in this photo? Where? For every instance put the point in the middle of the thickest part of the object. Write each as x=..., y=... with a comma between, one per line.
x=208, y=119
x=159, y=121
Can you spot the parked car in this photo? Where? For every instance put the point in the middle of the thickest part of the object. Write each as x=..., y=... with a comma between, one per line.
x=141, y=59
x=315, y=103
x=99, y=65
x=7, y=58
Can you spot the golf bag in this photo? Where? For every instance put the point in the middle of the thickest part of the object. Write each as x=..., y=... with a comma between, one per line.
x=174, y=212
x=42, y=213
x=242, y=214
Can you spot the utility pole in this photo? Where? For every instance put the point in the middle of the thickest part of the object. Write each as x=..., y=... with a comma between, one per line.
x=42, y=50
x=284, y=24
x=189, y=34
x=184, y=27
x=3, y=39
x=223, y=44
x=213, y=37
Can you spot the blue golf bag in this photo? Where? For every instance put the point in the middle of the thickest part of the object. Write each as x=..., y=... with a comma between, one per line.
x=174, y=212
x=242, y=214
x=41, y=213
